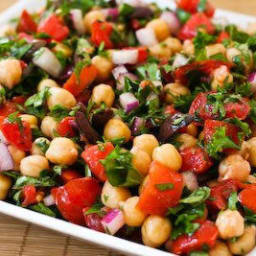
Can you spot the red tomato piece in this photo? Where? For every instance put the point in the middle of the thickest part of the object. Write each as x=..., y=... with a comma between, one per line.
x=142, y=54
x=101, y=32
x=207, y=235
x=21, y=137
x=197, y=20
x=76, y=195
x=156, y=201
x=68, y=175
x=26, y=23
x=136, y=24
x=223, y=36
x=7, y=108
x=26, y=36
x=67, y=127
x=92, y=156
x=19, y=100
x=29, y=195
x=195, y=159
x=220, y=194
x=54, y=27
x=170, y=110
x=240, y=109
x=87, y=76
x=247, y=198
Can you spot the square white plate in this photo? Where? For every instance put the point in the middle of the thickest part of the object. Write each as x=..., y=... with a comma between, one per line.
x=79, y=232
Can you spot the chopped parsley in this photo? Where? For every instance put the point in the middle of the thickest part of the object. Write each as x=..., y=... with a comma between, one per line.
x=59, y=112
x=164, y=186
x=232, y=201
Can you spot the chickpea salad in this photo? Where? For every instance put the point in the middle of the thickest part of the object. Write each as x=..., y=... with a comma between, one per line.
x=133, y=121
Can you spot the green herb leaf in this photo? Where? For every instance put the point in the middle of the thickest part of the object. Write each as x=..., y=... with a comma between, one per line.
x=201, y=7
x=43, y=144
x=59, y=112
x=96, y=209
x=149, y=71
x=183, y=16
x=41, y=208
x=164, y=186
x=58, y=169
x=198, y=253
x=232, y=201
x=250, y=216
x=197, y=197
x=242, y=125
x=37, y=182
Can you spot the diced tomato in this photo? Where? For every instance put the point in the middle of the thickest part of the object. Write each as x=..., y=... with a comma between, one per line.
x=29, y=195
x=136, y=24
x=54, y=27
x=26, y=36
x=101, y=33
x=240, y=109
x=7, y=108
x=206, y=235
x=92, y=156
x=66, y=128
x=197, y=20
x=156, y=201
x=220, y=194
x=19, y=100
x=21, y=137
x=26, y=23
x=77, y=85
x=170, y=110
x=247, y=198
x=142, y=54
x=195, y=159
x=76, y=195
x=69, y=174
x=223, y=36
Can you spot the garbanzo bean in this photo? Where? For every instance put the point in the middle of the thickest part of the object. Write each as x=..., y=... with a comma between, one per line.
x=220, y=249
x=252, y=151
x=160, y=28
x=104, y=66
x=91, y=17
x=221, y=76
x=30, y=119
x=5, y=185
x=186, y=141
x=146, y=142
x=49, y=126
x=174, y=44
x=39, y=145
x=17, y=156
x=160, y=51
x=141, y=160
x=173, y=90
x=46, y=83
x=215, y=49
x=103, y=93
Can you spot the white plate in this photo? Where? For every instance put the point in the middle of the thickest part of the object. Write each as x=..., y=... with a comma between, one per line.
x=75, y=230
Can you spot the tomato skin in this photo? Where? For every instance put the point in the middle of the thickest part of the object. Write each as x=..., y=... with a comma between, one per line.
x=68, y=175
x=142, y=54
x=29, y=194
x=92, y=156
x=21, y=138
x=189, y=30
x=66, y=128
x=101, y=32
x=76, y=195
x=222, y=36
x=247, y=198
x=54, y=27
x=195, y=159
x=207, y=234
x=170, y=110
x=7, y=108
x=154, y=201
x=26, y=23
x=239, y=109
x=87, y=76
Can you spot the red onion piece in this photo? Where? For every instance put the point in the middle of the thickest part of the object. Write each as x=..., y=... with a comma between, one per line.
x=138, y=123
x=121, y=57
x=3, y=139
x=146, y=37
x=252, y=80
x=112, y=13
x=128, y=101
x=172, y=21
x=49, y=200
x=118, y=71
x=77, y=18
x=190, y=180
x=6, y=161
x=121, y=80
x=180, y=60
x=113, y=221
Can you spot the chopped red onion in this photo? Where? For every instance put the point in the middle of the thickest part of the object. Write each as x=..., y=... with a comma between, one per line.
x=134, y=3
x=121, y=57
x=77, y=18
x=146, y=37
x=113, y=13
x=180, y=60
x=138, y=123
x=3, y=139
x=172, y=21
x=190, y=180
x=49, y=200
x=128, y=101
x=113, y=221
x=6, y=161
x=118, y=71
x=252, y=80
x=121, y=80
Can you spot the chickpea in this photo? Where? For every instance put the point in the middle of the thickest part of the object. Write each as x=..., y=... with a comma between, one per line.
x=49, y=126
x=230, y=224
x=141, y=160
x=168, y=155
x=245, y=243
x=115, y=129
x=44, y=145
x=65, y=50
x=104, y=67
x=186, y=140
x=190, y=180
x=231, y=53
x=10, y=72
x=252, y=151
x=245, y=150
x=62, y=97
x=5, y=185
x=251, y=179
x=156, y=231
x=91, y=17
x=234, y=167
x=62, y=151
x=221, y=76
x=143, y=184
x=215, y=49
x=17, y=156
x=188, y=47
x=174, y=44
x=33, y=165
x=173, y=90
x=133, y=216
x=113, y=196
x=160, y=28
x=31, y=120
x=251, y=29
x=7, y=30
x=46, y=83
x=160, y=51
x=103, y=93
x=220, y=249
x=146, y=142
x=192, y=130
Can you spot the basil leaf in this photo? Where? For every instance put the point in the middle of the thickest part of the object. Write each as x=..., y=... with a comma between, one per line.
x=41, y=208
x=198, y=196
